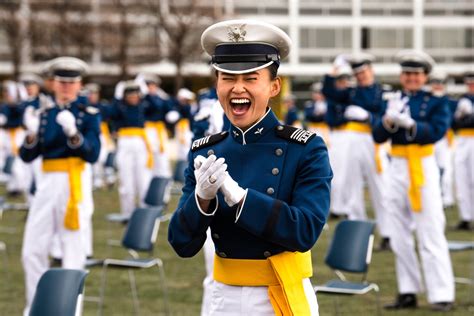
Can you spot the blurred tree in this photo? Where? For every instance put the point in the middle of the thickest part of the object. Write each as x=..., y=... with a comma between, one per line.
x=181, y=23
x=10, y=20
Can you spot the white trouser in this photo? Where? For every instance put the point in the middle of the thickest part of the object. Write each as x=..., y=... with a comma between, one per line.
x=338, y=153
x=19, y=178
x=464, y=174
x=134, y=175
x=183, y=143
x=161, y=161
x=360, y=165
x=429, y=226
x=98, y=169
x=444, y=159
x=230, y=300
x=34, y=169
x=209, y=252
x=46, y=218
x=322, y=131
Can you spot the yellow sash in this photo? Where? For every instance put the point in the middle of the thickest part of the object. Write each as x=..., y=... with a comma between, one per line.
x=354, y=127
x=282, y=273
x=450, y=137
x=378, y=160
x=74, y=167
x=12, y=132
x=160, y=128
x=182, y=127
x=466, y=132
x=414, y=154
x=104, y=129
x=139, y=132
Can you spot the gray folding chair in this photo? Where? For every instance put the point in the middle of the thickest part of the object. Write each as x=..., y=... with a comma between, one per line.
x=156, y=197
x=59, y=292
x=350, y=251
x=140, y=235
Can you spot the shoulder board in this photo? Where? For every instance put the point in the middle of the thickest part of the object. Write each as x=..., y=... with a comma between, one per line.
x=92, y=110
x=294, y=134
x=208, y=140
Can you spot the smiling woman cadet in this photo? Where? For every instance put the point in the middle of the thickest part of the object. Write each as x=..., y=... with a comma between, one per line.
x=263, y=187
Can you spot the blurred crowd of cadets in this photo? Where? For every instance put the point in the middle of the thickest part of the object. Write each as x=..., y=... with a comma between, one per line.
x=183, y=118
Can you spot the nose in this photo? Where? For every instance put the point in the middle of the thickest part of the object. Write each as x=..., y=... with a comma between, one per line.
x=239, y=87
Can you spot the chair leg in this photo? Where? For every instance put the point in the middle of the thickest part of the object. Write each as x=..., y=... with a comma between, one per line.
x=336, y=305
x=102, y=289
x=377, y=301
x=161, y=270
x=133, y=287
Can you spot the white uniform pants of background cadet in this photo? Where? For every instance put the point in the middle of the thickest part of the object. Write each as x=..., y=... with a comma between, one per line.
x=360, y=167
x=99, y=166
x=209, y=253
x=444, y=158
x=428, y=224
x=338, y=153
x=161, y=161
x=464, y=174
x=134, y=175
x=45, y=218
x=19, y=177
x=229, y=300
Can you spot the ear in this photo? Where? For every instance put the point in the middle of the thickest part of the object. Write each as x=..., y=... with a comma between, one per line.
x=275, y=87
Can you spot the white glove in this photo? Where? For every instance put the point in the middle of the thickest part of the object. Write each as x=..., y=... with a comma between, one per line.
x=209, y=175
x=320, y=108
x=3, y=119
x=233, y=193
x=354, y=112
x=172, y=117
x=340, y=61
x=463, y=108
x=396, y=103
x=119, y=88
x=404, y=119
x=68, y=122
x=31, y=121
x=203, y=113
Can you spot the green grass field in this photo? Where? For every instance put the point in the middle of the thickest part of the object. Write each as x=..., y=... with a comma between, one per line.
x=184, y=276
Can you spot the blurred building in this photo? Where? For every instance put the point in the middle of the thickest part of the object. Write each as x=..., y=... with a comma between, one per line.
x=320, y=29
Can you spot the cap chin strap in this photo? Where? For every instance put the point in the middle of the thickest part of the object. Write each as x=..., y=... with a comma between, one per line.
x=237, y=72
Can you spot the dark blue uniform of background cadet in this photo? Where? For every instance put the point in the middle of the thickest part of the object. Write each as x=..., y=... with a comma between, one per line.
x=369, y=98
x=53, y=143
x=432, y=116
x=287, y=201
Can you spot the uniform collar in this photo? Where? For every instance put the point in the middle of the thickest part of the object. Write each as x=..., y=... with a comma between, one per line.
x=256, y=131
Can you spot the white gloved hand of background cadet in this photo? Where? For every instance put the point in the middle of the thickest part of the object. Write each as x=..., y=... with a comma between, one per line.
x=68, y=122
x=354, y=112
x=31, y=121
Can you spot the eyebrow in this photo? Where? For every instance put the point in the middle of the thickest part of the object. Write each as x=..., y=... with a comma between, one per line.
x=245, y=74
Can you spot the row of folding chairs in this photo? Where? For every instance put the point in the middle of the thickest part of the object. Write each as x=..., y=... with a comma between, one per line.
x=60, y=291
x=350, y=251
